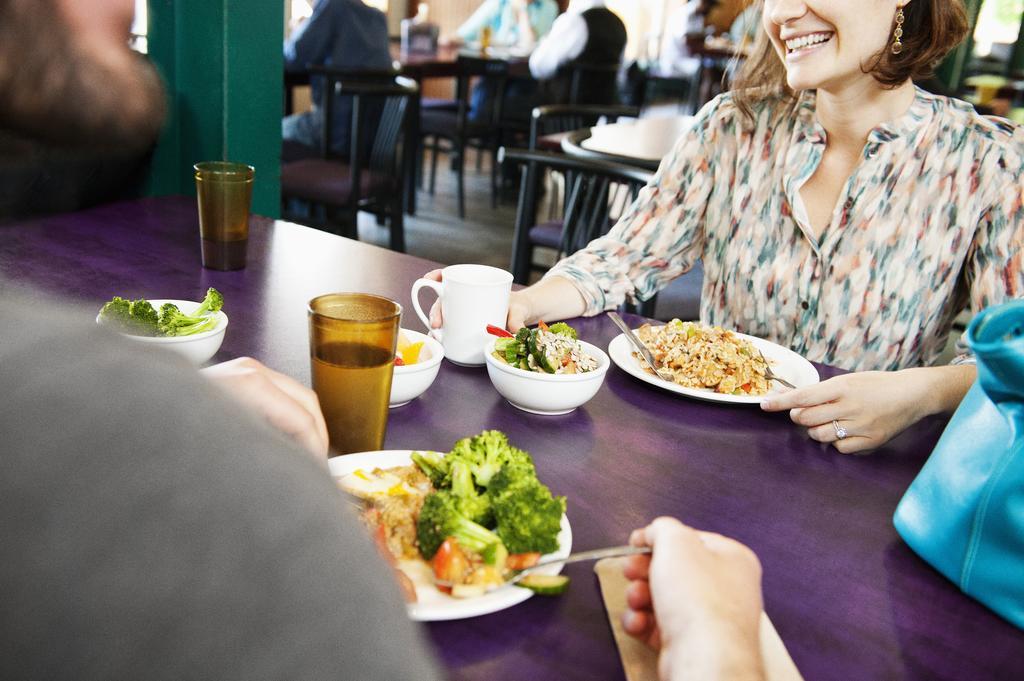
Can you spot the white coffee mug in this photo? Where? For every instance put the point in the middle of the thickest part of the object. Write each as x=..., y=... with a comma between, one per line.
x=472, y=296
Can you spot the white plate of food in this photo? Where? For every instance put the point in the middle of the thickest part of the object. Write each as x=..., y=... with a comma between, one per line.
x=699, y=355
x=433, y=605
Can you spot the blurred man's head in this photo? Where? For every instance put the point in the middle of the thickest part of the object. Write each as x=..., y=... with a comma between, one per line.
x=68, y=77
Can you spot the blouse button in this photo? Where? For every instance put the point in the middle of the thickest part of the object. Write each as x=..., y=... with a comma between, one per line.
x=805, y=305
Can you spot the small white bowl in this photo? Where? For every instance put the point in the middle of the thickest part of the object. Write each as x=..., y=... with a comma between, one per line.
x=197, y=348
x=547, y=394
x=412, y=380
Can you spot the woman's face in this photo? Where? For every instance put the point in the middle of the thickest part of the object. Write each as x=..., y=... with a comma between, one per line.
x=825, y=43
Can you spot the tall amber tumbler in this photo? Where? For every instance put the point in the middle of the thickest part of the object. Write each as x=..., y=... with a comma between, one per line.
x=224, y=193
x=352, y=339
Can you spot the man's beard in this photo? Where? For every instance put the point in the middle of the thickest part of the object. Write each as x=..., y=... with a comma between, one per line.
x=60, y=90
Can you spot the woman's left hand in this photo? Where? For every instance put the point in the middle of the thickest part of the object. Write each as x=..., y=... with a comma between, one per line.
x=861, y=411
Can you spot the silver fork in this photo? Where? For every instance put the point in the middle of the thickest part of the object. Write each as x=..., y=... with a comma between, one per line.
x=578, y=557
x=640, y=347
x=770, y=375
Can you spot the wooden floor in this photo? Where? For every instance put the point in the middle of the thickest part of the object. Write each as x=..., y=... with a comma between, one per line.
x=437, y=233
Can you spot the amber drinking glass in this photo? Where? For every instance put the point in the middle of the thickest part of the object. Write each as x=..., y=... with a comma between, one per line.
x=352, y=338
x=224, y=192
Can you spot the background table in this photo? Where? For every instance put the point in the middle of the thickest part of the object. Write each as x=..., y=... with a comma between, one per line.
x=643, y=142
x=848, y=597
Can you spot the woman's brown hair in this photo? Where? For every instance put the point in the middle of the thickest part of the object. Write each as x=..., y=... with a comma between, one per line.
x=931, y=29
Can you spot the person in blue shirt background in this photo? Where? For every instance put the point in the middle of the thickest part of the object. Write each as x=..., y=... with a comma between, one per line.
x=516, y=24
x=340, y=33
x=513, y=23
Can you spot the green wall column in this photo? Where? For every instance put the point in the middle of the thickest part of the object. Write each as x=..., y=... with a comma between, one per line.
x=1017, y=57
x=952, y=70
x=222, y=63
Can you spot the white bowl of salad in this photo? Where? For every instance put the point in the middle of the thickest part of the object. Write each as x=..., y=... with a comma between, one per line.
x=546, y=370
x=417, y=361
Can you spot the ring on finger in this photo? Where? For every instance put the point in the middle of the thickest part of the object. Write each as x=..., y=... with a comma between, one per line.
x=841, y=431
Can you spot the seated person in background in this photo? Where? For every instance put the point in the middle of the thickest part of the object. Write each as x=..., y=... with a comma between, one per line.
x=686, y=22
x=696, y=600
x=512, y=23
x=839, y=211
x=152, y=527
x=516, y=24
x=589, y=33
x=344, y=34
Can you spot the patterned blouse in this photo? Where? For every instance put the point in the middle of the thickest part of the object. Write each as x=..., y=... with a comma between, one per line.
x=930, y=221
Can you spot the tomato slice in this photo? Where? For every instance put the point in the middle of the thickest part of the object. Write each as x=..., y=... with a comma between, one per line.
x=498, y=331
x=398, y=361
x=521, y=561
x=450, y=563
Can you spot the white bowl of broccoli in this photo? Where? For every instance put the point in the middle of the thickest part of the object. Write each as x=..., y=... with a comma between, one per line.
x=192, y=329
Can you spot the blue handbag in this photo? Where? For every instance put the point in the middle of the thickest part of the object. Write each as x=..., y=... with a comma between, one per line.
x=964, y=512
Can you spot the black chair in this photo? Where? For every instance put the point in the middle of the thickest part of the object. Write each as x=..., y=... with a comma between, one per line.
x=667, y=89
x=547, y=123
x=592, y=84
x=372, y=178
x=550, y=124
x=459, y=132
x=592, y=188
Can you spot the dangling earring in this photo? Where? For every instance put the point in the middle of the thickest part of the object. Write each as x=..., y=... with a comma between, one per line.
x=897, y=46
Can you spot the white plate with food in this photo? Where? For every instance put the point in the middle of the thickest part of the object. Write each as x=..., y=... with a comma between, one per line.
x=432, y=604
x=715, y=354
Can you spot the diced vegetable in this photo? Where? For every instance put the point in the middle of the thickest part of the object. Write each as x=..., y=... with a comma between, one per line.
x=521, y=561
x=449, y=563
x=411, y=354
x=468, y=590
x=545, y=585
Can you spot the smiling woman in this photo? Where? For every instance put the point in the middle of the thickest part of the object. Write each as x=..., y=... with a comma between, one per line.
x=930, y=30
x=838, y=210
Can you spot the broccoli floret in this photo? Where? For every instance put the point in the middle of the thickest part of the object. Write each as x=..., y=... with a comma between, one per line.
x=137, y=318
x=174, y=322
x=144, y=312
x=434, y=465
x=213, y=302
x=472, y=504
x=440, y=518
x=487, y=453
x=117, y=312
x=528, y=518
x=563, y=329
x=512, y=473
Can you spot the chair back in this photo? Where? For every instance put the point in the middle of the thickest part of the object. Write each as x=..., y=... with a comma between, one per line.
x=594, y=188
x=381, y=106
x=592, y=83
x=559, y=118
x=493, y=71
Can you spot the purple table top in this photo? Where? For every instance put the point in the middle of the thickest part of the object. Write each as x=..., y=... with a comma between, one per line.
x=848, y=597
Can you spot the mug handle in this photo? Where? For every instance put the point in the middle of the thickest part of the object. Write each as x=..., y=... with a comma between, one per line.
x=418, y=286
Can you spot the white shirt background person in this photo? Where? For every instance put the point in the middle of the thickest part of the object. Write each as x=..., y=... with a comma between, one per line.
x=565, y=42
x=675, y=58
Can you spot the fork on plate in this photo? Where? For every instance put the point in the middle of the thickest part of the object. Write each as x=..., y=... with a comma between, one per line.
x=770, y=375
